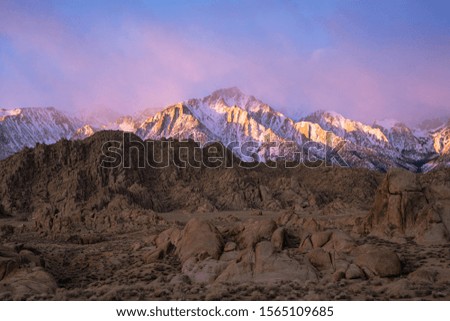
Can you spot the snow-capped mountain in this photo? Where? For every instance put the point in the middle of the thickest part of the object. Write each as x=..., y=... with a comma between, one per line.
x=228, y=116
x=441, y=139
x=413, y=144
x=348, y=129
x=233, y=118
x=84, y=132
x=175, y=121
x=391, y=142
x=24, y=127
x=441, y=145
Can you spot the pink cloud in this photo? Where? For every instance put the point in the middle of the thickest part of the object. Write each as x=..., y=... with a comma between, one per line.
x=146, y=64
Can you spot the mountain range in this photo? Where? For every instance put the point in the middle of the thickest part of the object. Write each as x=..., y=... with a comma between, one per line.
x=230, y=116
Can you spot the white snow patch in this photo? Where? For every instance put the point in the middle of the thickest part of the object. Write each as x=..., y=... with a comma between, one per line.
x=9, y=112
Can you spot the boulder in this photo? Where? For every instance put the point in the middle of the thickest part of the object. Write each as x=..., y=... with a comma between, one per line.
x=423, y=275
x=279, y=238
x=271, y=266
x=199, y=238
x=379, y=261
x=403, y=209
x=340, y=242
x=256, y=231
x=230, y=246
x=401, y=180
x=22, y=275
x=265, y=264
x=435, y=233
x=240, y=269
x=319, y=239
x=310, y=225
x=160, y=252
x=172, y=235
x=203, y=271
x=320, y=259
x=26, y=282
x=229, y=256
x=354, y=272
x=305, y=245
x=263, y=250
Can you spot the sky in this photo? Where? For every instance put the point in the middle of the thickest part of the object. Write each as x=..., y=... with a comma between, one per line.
x=367, y=60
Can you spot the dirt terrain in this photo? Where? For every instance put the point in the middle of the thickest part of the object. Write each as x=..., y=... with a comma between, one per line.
x=71, y=229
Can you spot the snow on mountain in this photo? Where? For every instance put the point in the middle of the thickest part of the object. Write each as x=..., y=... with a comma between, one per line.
x=24, y=127
x=84, y=132
x=228, y=115
x=441, y=139
x=353, y=131
x=441, y=144
x=233, y=118
x=9, y=112
x=391, y=141
x=124, y=123
x=177, y=122
x=412, y=144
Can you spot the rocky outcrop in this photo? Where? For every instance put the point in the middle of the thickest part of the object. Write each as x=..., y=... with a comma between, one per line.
x=406, y=205
x=261, y=251
x=255, y=254
x=256, y=231
x=265, y=264
x=65, y=188
x=377, y=261
x=199, y=239
x=23, y=274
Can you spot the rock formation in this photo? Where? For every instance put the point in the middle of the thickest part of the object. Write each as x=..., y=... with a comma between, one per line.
x=73, y=229
x=409, y=205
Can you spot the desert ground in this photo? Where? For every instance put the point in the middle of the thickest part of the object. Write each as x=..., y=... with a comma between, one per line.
x=71, y=230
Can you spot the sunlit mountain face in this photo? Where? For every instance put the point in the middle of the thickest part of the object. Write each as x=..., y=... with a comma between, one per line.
x=230, y=116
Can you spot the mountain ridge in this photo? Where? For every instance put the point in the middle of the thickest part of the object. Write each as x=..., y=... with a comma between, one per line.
x=230, y=116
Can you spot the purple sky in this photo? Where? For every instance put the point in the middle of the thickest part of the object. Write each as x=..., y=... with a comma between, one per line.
x=365, y=59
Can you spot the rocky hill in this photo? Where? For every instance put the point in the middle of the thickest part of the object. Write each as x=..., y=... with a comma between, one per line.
x=72, y=185
x=66, y=184
x=90, y=219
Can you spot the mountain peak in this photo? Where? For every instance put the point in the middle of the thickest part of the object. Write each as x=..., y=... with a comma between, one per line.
x=230, y=96
x=28, y=112
x=327, y=116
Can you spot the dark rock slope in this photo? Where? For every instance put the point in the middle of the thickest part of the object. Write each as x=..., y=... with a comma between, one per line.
x=65, y=188
x=64, y=185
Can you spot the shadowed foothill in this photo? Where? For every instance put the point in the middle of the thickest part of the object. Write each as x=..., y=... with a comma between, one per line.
x=72, y=229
